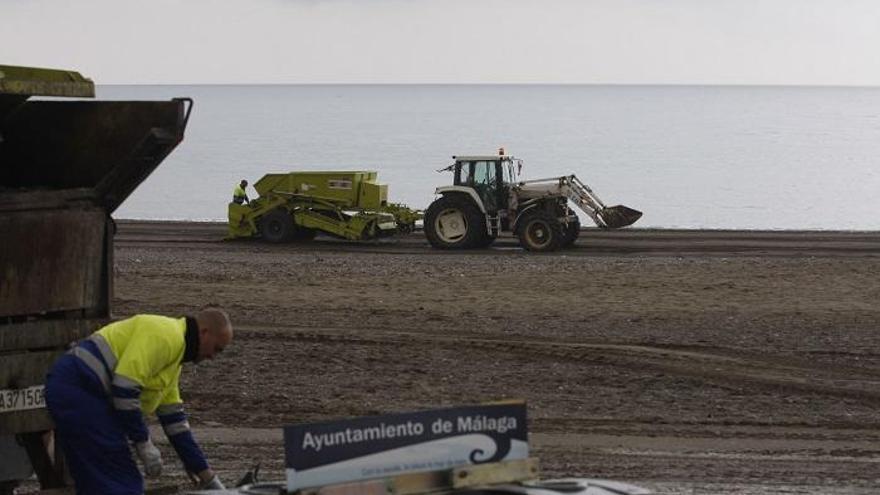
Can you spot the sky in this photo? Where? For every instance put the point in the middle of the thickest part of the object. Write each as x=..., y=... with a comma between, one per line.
x=773, y=42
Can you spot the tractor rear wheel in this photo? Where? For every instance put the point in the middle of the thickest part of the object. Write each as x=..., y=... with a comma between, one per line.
x=455, y=222
x=277, y=226
x=540, y=232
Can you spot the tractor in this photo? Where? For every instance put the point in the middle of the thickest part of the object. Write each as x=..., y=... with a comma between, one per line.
x=487, y=197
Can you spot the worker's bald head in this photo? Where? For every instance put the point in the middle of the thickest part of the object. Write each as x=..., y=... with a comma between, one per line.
x=215, y=332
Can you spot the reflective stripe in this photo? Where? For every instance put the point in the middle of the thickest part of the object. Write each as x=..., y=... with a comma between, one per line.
x=106, y=351
x=95, y=364
x=126, y=383
x=167, y=409
x=126, y=404
x=176, y=428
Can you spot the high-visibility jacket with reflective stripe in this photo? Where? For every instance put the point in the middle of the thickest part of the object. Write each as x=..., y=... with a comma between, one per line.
x=239, y=192
x=149, y=352
x=142, y=358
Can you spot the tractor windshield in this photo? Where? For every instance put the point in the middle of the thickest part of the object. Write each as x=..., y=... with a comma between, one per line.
x=484, y=174
x=510, y=171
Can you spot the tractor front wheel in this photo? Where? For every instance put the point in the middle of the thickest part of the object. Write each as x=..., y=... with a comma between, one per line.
x=454, y=222
x=540, y=232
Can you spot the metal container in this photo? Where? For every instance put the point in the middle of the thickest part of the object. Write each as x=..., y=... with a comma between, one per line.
x=65, y=166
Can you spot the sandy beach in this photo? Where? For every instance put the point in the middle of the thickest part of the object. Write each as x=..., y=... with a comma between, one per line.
x=683, y=361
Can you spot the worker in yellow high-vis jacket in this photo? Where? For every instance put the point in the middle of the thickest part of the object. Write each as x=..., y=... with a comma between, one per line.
x=98, y=393
x=239, y=194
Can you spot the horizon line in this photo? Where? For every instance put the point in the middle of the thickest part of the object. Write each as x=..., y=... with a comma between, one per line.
x=742, y=85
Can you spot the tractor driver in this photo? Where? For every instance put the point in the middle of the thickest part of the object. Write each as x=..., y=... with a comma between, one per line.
x=239, y=196
x=98, y=392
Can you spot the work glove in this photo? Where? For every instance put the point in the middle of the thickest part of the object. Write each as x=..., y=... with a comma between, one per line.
x=150, y=457
x=212, y=484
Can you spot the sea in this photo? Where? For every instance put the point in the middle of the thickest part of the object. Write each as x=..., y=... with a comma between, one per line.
x=689, y=157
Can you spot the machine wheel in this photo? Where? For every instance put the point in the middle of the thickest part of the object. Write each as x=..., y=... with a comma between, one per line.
x=454, y=222
x=540, y=232
x=571, y=233
x=277, y=226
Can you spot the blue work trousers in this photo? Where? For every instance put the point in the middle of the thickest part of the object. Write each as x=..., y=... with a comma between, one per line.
x=89, y=434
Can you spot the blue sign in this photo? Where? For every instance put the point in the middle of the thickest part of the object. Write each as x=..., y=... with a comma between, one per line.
x=378, y=446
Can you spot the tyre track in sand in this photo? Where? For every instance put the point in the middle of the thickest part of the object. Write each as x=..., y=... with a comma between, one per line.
x=719, y=366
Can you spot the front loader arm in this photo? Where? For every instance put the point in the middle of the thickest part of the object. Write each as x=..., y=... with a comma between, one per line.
x=583, y=197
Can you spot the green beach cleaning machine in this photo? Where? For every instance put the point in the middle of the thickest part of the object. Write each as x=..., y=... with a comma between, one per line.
x=296, y=206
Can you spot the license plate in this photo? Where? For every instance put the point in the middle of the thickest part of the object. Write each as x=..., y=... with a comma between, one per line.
x=22, y=399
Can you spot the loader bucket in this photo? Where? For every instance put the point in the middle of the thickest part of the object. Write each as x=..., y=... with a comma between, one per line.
x=619, y=216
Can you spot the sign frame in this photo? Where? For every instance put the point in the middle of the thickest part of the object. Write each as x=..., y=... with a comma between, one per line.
x=374, y=447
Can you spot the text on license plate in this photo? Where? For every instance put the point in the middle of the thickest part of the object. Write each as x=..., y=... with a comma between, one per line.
x=22, y=399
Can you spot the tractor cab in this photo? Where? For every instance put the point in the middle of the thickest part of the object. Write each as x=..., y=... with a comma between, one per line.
x=491, y=177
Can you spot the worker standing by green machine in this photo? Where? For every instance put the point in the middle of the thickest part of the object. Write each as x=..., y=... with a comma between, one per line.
x=239, y=195
x=98, y=392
